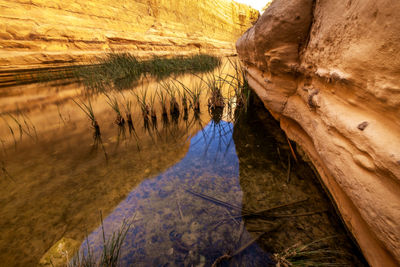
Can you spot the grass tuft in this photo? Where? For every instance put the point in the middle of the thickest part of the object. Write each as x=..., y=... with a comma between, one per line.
x=88, y=110
x=141, y=99
x=113, y=102
x=111, y=250
x=122, y=70
x=312, y=254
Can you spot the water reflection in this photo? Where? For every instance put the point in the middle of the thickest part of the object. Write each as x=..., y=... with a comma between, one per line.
x=53, y=187
x=210, y=173
x=175, y=228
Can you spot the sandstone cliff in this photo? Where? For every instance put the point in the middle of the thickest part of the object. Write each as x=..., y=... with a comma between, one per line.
x=329, y=72
x=48, y=33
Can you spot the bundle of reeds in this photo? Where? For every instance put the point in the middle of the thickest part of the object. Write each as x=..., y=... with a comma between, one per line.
x=311, y=254
x=113, y=102
x=173, y=106
x=162, y=97
x=142, y=100
x=194, y=94
x=111, y=250
x=88, y=110
x=128, y=113
x=184, y=101
x=122, y=70
x=214, y=85
x=239, y=83
x=171, y=89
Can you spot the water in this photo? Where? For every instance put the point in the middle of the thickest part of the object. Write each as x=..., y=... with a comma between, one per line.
x=171, y=225
x=186, y=185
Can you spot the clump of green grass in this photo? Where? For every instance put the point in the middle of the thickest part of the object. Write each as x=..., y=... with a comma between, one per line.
x=141, y=97
x=153, y=113
x=111, y=250
x=142, y=100
x=94, y=78
x=172, y=90
x=115, y=70
x=88, y=110
x=312, y=254
x=173, y=104
x=184, y=101
x=164, y=67
x=162, y=96
x=113, y=102
x=214, y=85
x=194, y=94
x=128, y=113
x=163, y=101
x=185, y=105
x=239, y=83
x=123, y=70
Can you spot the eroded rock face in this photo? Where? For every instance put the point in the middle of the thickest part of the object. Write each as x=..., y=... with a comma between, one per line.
x=329, y=72
x=43, y=33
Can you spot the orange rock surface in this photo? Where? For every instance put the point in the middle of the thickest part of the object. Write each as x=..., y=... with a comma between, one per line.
x=47, y=33
x=329, y=72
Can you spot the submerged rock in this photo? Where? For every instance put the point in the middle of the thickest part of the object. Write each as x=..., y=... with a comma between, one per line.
x=345, y=51
x=60, y=253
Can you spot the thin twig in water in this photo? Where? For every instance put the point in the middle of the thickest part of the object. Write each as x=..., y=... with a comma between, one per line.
x=179, y=206
x=291, y=149
x=248, y=244
x=237, y=252
x=253, y=213
x=217, y=201
x=230, y=215
x=241, y=230
x=277, y=207
x=262, y=212
x=280, y=158
x=288, y=170
x=296, y=214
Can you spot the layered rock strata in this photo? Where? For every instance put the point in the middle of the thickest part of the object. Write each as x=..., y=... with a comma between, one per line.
x=49, y=33
x=329, y=72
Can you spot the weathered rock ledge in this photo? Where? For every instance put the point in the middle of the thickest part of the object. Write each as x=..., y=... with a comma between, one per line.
x=329, y=71
x=52, y=33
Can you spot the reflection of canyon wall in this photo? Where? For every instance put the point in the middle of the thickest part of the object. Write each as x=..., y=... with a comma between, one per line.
x=40, y=33
x=62, y=180
x=329, y=72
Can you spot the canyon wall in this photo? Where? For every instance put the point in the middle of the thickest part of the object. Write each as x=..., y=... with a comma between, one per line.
x=329, y=71
x=49, y=33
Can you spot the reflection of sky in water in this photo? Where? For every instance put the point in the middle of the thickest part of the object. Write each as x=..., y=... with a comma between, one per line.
x=173, y=226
